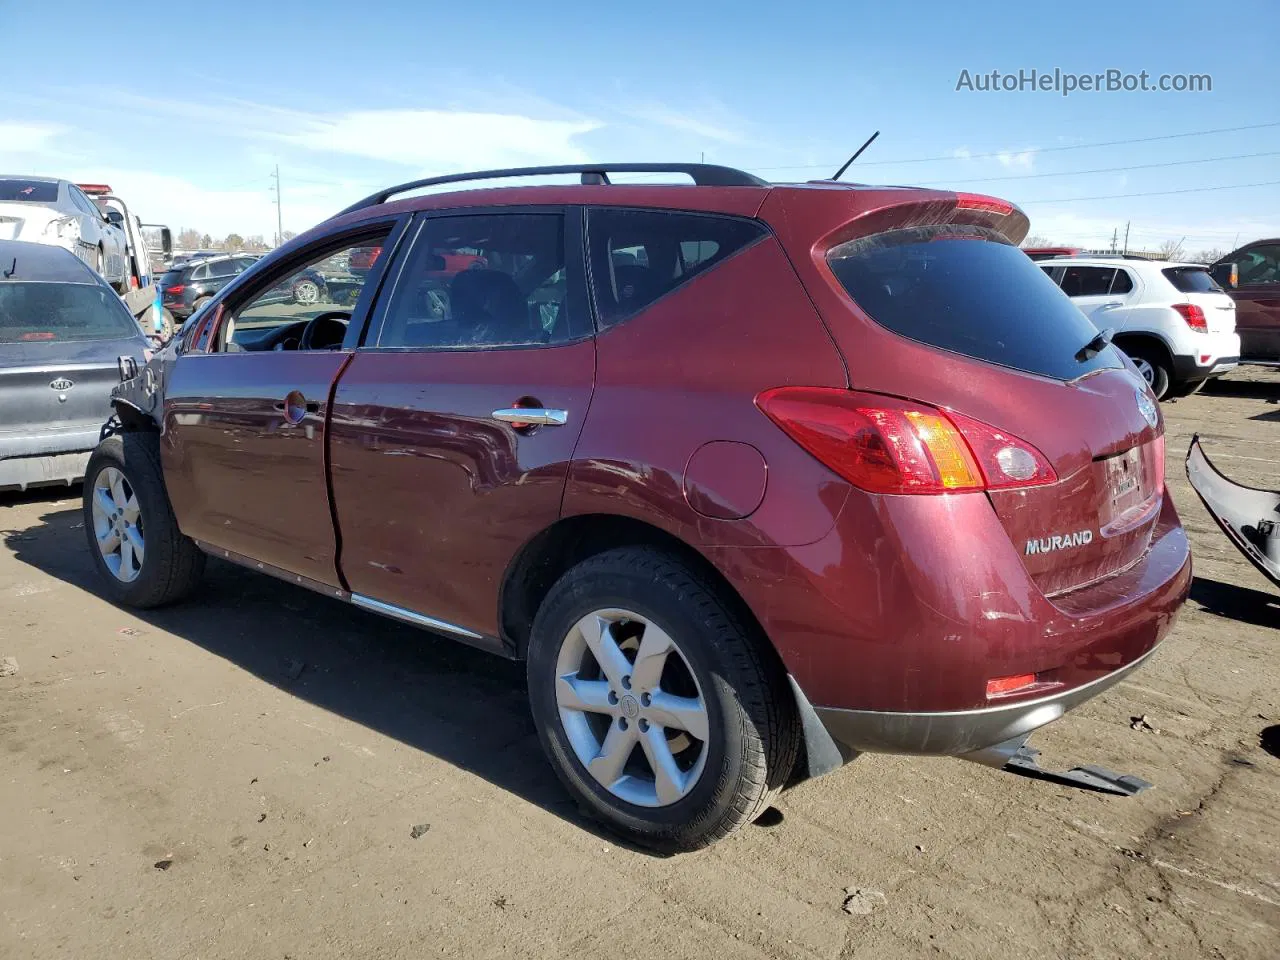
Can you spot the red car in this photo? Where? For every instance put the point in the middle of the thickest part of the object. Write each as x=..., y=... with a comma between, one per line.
x=755, y=477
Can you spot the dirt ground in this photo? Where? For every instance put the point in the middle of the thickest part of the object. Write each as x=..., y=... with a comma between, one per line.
x=266, y=773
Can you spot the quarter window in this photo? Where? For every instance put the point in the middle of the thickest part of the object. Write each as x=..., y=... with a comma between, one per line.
x=489, y=280
x=638, y=256
x=1123, y=283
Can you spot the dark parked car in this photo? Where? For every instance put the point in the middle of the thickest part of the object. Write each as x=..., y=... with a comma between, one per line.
x=62, y=332
x=187, y=288
x=1251, y=276
x=755, y=477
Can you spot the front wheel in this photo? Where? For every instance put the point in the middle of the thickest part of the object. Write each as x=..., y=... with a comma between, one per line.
x=144, y=559
x=663, y=714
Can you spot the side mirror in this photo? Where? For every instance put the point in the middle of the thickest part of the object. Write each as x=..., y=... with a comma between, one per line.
x=115, y=218
x=1227, y=275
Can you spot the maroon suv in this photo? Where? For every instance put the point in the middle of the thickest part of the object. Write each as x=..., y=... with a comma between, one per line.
x=755, y=477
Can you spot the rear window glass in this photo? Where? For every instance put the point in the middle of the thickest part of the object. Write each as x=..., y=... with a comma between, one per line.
x=638, y=256
x=14, y=190
x=967, y=290
x=1191, y=280
x=59, y=312
x=171, y=278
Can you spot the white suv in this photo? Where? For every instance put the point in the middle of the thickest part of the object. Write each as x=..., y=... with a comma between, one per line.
x=1171, y=319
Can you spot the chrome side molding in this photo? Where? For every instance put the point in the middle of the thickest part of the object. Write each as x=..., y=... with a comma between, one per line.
x=417, y=619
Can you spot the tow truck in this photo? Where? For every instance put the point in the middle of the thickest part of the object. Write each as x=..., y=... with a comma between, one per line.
x=141, y=290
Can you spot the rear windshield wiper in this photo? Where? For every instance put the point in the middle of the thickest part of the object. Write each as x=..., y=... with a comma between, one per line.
x=1096, y=345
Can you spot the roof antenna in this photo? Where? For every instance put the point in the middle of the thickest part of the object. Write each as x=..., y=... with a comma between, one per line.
x=13, y=268
x=836, y=176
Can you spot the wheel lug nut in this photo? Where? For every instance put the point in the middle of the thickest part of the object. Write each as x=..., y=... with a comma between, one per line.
x=645, y=700
x=626, y=683
x=622, y=723
x=613, y=698
x=644, y=725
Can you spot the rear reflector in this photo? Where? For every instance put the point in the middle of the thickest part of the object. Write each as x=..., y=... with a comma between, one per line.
x=888, y=445
x=1003, y=686
x=977, y=201
x=1193, y=315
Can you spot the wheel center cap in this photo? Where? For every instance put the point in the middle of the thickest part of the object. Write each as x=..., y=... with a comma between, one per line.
x=630, y=708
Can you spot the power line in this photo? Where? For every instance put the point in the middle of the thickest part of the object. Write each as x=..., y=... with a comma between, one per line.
x=1080, y=173
x=1154, y=193
x=1005, y=153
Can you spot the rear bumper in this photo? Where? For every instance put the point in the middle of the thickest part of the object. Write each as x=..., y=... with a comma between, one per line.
x=19, y=473
x=893, y=624
x=958, y=732
x=1219, y=353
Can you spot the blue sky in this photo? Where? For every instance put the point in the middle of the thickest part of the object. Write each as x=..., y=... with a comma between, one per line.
x=186, y=112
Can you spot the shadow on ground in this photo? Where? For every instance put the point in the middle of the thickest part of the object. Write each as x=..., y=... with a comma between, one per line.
x=1245, y=389
x=464, y=706
x=1236, y=603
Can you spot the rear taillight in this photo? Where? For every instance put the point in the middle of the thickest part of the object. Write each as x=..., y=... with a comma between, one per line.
x=176, y=289
x=887, y=445
x=1193, y=315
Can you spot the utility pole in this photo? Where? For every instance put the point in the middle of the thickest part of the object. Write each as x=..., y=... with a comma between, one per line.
x=1126, y=238
x=1114, y=236
x=279, y=209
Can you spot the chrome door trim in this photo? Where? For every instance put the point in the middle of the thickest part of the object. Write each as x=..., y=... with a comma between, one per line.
x=409, y=616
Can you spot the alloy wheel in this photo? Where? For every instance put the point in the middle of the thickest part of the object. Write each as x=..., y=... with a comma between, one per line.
x=306, y=291
x=1144, y=367
x=631, y=708
x=117, y=524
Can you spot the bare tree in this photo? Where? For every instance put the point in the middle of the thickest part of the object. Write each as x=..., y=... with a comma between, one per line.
x=188, y=239
x=1171, y=250
x=1212, y=255
x=1038, y=241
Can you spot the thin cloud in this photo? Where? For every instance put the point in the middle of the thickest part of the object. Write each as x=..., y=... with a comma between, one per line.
x=1021, y=160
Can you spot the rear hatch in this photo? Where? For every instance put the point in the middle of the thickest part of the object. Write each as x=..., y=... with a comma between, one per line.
x=936, y=304
x=59, y=344
x=1194, y=285
x=21, y=199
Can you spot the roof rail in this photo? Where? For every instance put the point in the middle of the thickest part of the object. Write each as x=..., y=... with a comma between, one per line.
x=702, y=174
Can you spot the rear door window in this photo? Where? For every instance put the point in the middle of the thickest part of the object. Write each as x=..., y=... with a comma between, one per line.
x=967, y=290
x=1123, y=283
x=1087, y=281
x=638, y=256
x=1259, y=265
x=1191, y=279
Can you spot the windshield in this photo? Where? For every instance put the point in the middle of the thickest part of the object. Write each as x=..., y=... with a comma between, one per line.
x=13, y=190
x=34, y=312
x=967, y=290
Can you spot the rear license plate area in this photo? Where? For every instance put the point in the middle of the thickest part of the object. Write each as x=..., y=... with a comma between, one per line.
x=1126, y=483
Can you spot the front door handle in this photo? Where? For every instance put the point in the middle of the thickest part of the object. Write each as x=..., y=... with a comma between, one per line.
x=532, y=416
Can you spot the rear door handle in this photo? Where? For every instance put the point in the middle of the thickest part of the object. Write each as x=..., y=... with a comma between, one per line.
x=541, y=416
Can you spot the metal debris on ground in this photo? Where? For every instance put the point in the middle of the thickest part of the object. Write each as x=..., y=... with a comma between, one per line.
x=8, y=666
x=1142, y=723
x=163, y=864
x=419, y=830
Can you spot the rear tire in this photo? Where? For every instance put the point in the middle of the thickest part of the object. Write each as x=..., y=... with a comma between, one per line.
x=198, y=306
x=125, y=503
x=1154, y=367
x=715, y=680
